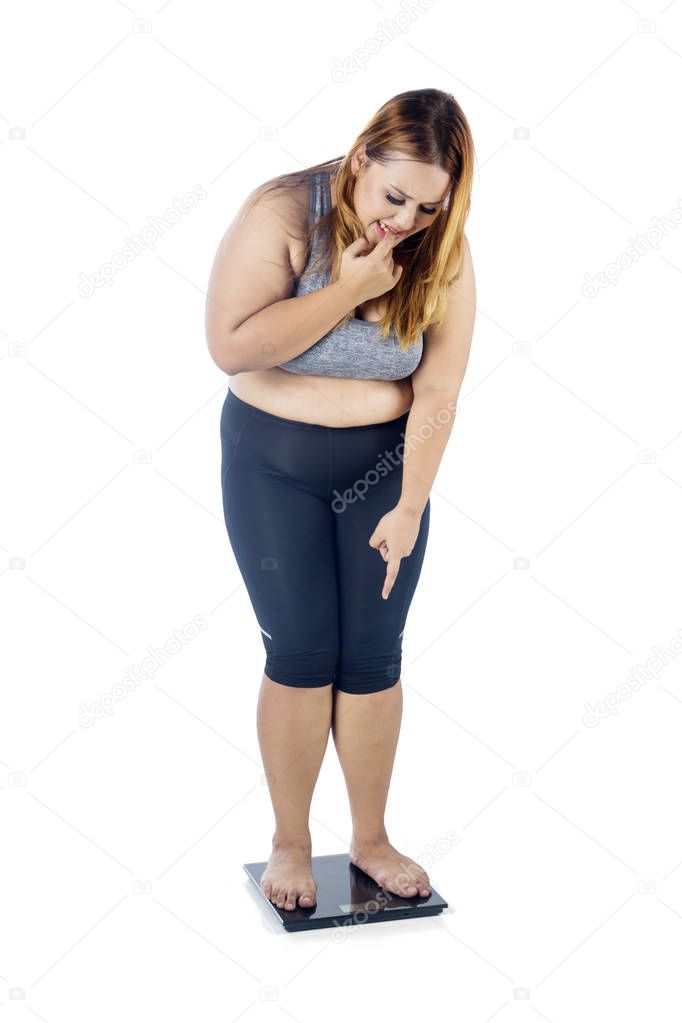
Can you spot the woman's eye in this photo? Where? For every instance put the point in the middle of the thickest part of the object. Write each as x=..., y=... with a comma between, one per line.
x=399, y=202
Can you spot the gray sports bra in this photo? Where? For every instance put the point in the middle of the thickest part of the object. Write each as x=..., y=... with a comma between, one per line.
x=357, y=349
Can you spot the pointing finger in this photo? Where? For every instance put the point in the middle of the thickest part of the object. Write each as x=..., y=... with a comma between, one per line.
x=391, y=574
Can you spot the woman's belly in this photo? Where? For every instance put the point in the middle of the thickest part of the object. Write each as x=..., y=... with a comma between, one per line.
x=327, y=401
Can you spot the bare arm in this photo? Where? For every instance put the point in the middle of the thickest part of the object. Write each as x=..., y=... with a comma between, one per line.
x=436, y=384
x=251, y=324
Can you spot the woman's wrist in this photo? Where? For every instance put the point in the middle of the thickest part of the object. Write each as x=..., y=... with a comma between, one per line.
x=409, y=507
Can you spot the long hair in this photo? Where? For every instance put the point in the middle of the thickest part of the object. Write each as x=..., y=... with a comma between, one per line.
x=428, y=126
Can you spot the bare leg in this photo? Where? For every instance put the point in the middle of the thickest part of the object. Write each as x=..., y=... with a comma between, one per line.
x=365, y=728
x=293, y=731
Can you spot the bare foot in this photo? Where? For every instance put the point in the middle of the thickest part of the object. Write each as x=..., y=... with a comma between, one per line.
x=389, y=868
x=288, y=877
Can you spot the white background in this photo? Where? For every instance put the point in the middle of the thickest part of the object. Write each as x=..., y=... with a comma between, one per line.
x=123, y=892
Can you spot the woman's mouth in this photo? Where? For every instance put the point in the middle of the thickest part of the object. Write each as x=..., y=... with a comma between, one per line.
x=383, y=229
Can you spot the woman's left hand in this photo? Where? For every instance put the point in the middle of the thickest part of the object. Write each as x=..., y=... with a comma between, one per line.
x=394, y=537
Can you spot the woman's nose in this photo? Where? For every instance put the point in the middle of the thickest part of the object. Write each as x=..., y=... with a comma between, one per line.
x=404, y=222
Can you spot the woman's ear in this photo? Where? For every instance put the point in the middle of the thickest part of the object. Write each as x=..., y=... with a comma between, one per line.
x=358, y=159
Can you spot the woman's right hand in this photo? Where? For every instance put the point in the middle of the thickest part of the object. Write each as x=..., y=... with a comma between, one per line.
x=370, y=274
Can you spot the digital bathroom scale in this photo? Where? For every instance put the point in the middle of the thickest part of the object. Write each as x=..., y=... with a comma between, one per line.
x=346, y=895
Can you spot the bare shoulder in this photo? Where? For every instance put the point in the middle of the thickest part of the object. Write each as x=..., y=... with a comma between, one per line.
x=465, y=276
x=286, y=209
x=254, y=264
x=288, y=203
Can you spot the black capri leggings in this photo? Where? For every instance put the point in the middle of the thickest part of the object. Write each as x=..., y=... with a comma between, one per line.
x=301, y=501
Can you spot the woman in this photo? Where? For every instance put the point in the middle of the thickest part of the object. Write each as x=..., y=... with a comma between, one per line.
x=341, y=303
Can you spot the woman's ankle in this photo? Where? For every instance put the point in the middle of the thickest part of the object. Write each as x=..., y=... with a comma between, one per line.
x=369, y=836
x=287, y=840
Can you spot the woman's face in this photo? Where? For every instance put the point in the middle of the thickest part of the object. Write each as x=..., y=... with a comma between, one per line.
x=404, y=195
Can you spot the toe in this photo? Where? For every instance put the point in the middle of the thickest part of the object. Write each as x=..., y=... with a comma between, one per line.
x=421, y=882
x=411, y=886
x=307, y=899
x=290, y=902
x=405, y=885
